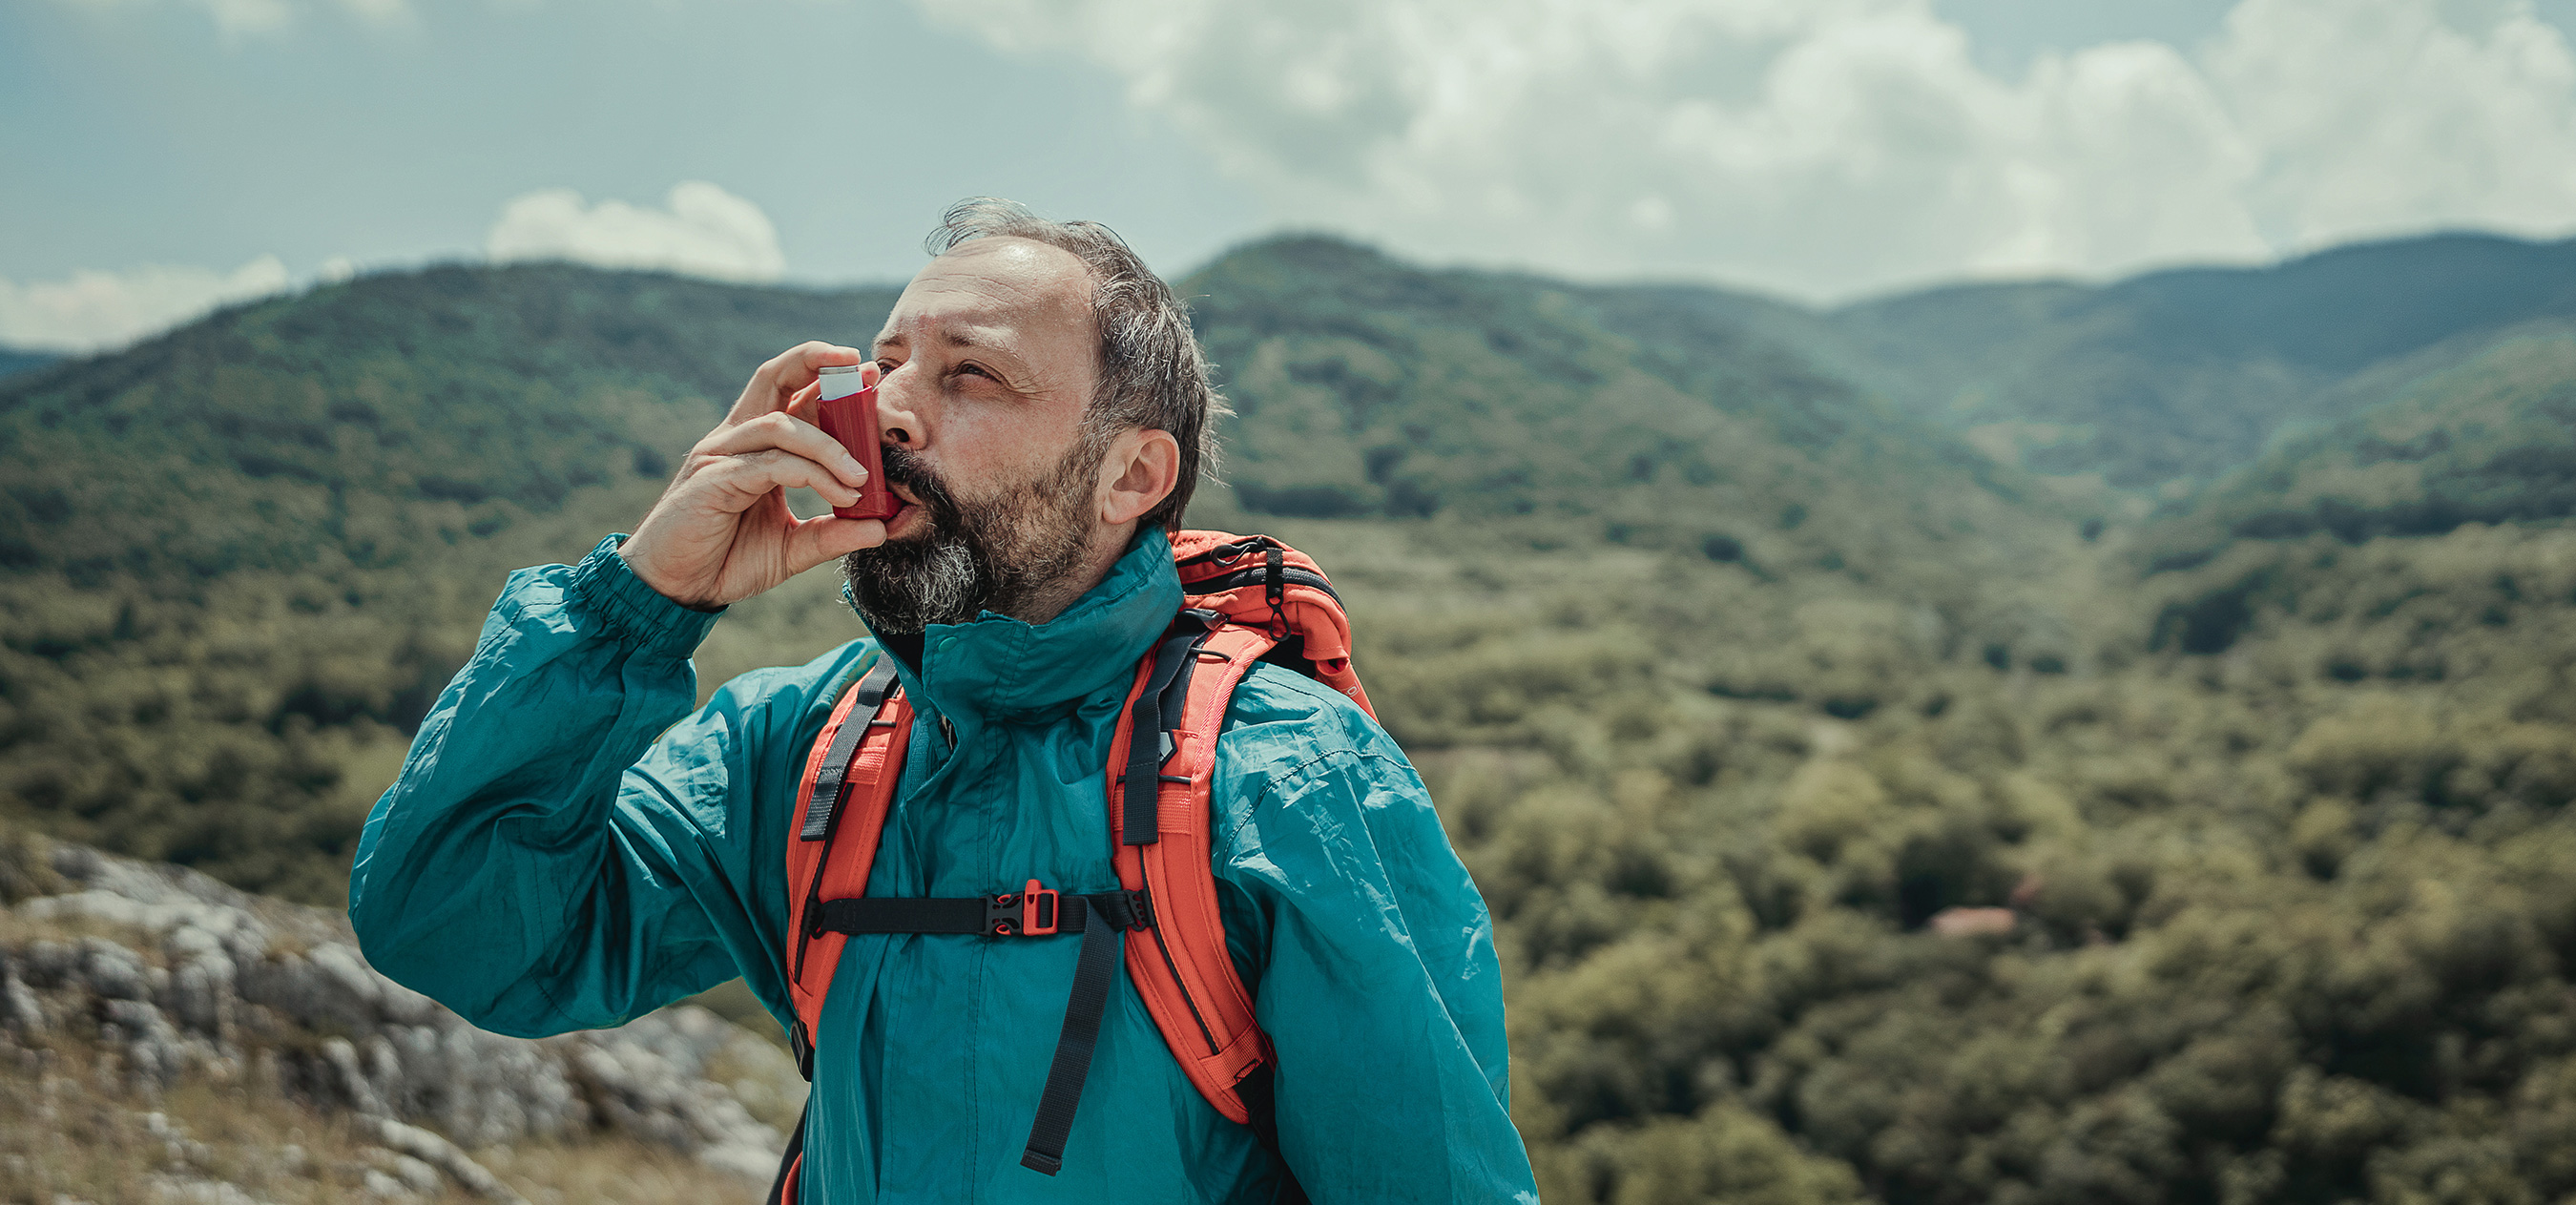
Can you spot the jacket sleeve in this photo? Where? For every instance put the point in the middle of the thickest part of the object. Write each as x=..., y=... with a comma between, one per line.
x=568, y=845
x=1377, y=977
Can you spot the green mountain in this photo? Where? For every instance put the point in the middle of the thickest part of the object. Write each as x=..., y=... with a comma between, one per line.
x=17, y=360
x=1857, y=824
x=2151, y=385
x=1365, y=387
x=2484, y=441
x=2178, y=376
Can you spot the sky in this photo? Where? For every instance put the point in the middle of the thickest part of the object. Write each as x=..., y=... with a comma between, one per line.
x=158, y=157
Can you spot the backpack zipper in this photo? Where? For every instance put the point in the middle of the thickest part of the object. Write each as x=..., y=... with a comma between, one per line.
x=1177, y=981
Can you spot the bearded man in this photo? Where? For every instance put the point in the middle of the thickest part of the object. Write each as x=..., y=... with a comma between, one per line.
x=569, y=846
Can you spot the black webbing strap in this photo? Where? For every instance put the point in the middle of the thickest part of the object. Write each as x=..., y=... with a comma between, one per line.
x=1096, y=969
x=833, y=776
x=1103, y=946
x=787, y=1162
x=871, y=915
x=1003, y=915
x=1255, y=1089
x=1274, y=590
x=1149, y=742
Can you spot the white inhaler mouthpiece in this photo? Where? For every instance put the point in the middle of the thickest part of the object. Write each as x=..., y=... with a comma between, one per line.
x=840, y=381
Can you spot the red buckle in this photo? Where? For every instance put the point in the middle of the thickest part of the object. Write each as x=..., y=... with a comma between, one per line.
x=1038, y=911
x=1030, y=912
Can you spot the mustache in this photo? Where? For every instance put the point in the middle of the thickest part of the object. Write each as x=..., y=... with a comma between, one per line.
x=905, y=468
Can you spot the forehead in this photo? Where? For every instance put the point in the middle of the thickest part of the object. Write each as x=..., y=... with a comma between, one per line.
x=995, y=290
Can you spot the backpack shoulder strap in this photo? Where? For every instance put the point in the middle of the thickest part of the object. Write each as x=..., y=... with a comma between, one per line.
x=852, y=770
x=1162, y=759
x=848, y=782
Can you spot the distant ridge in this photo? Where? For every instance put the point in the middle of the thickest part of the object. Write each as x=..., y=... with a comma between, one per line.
x=17, y=360
x=2183, y=374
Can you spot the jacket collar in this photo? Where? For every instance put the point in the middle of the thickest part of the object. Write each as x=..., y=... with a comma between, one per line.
x=1004, y=669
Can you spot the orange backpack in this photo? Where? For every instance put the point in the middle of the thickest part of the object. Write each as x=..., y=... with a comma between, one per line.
x=1245, y=599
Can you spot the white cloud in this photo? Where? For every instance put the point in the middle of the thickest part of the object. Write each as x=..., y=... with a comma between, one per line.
x=702, y=231
x=234, y=18
x=1824, y=147
x=92, y=310
x=2383, y=115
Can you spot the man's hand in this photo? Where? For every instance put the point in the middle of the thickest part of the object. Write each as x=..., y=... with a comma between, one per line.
x=722, y=531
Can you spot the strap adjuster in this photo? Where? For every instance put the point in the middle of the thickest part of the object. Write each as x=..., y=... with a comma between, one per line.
x=1032, y=911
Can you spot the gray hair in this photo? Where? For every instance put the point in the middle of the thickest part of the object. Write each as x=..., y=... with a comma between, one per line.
x=1152, y=375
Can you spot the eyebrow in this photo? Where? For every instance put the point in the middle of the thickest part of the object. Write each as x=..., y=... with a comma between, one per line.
x=952, y=336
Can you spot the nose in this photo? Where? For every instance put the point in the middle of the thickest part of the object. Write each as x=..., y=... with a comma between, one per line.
x=896, y=417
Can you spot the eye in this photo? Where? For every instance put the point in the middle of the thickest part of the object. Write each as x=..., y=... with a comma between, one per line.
x=977, y=369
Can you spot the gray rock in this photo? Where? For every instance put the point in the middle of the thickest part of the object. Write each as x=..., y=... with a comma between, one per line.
x=113, y=971
x=328, y=987
x=19, y=1011
x=434, y=1151
x=346, y=981
x=648, y=1077
x=349, y=1079
x=188, y=1190
x=49, y=963
x=201, y=995
x=151, y=1047
x=254, y=982
x=419, y=1177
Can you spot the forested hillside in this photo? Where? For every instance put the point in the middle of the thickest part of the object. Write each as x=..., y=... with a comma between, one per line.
x=14, y=360
x=1862, y=819
x=2180, y=375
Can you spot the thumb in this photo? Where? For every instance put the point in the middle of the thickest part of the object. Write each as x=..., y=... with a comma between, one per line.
x=826, y=537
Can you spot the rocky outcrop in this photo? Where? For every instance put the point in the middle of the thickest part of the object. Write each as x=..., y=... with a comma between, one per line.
x=172, y=971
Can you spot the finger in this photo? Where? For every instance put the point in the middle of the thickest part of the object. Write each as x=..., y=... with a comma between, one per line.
x=786, y=433
x=777, y=381
x=808, y=403
x=823, y=538
x=744, y=480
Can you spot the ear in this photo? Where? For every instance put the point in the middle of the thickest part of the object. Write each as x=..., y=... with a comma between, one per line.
x=1142, y=468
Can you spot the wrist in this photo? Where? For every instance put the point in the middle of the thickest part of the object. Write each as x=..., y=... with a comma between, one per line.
x=641, y=614
x=644, y=570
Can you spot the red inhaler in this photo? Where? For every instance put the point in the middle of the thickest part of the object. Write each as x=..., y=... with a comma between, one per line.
x=849, y=414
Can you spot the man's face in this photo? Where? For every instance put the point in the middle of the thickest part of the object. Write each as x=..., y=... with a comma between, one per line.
x=990, y=357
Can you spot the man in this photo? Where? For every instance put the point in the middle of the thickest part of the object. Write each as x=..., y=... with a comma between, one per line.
x=569, y=847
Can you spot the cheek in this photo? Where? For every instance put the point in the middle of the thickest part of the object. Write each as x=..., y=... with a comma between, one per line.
x=986, y=454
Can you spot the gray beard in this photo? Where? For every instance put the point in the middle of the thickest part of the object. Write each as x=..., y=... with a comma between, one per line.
x=1008, y=555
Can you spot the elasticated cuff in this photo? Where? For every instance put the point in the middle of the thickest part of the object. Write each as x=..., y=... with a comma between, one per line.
x=608, y=587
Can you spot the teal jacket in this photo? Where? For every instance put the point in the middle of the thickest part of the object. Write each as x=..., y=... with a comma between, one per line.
x=569, y=847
